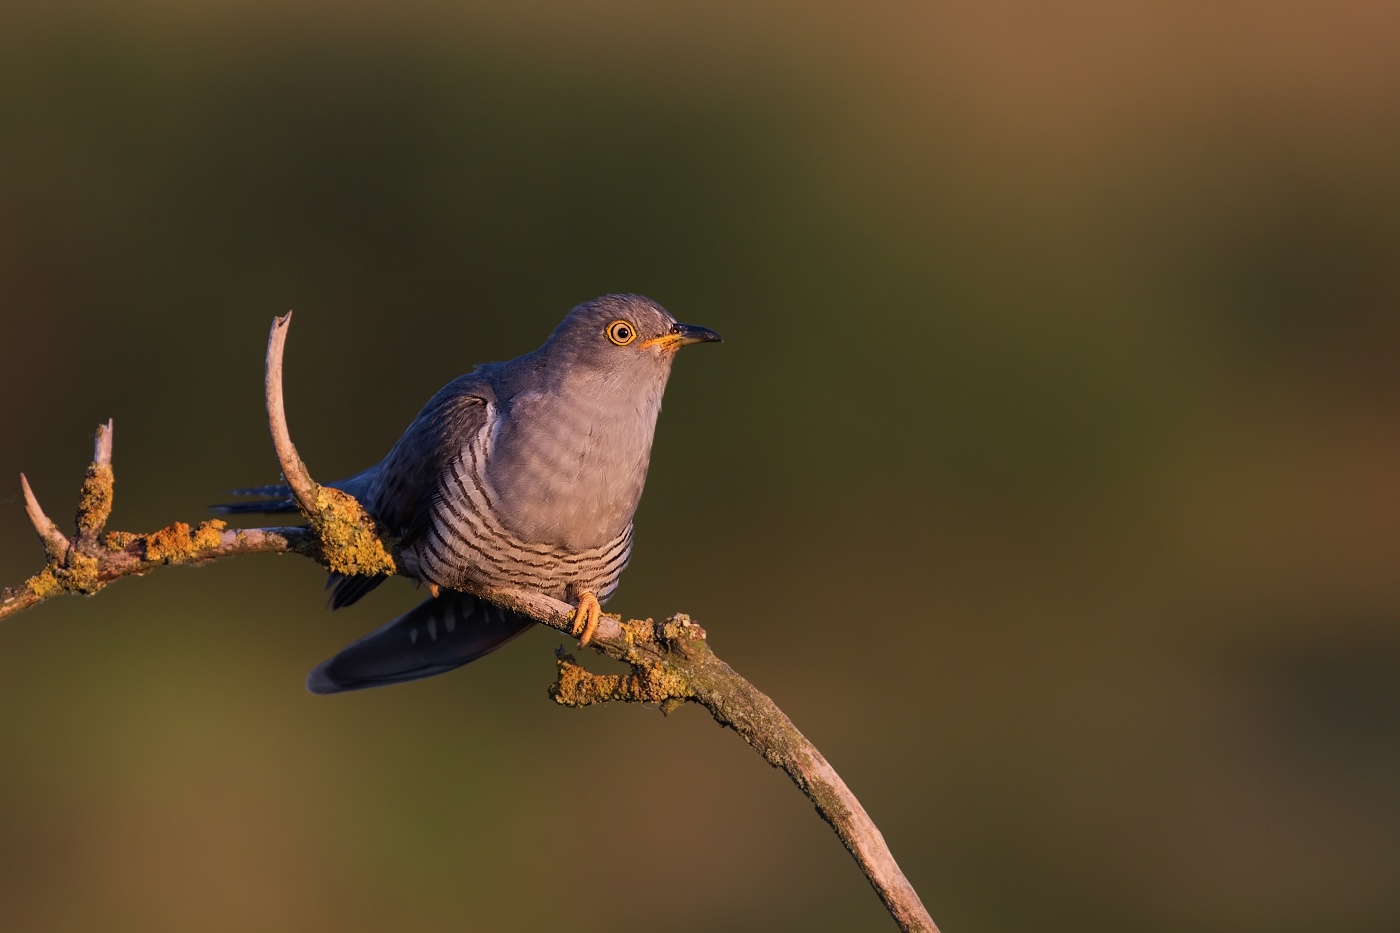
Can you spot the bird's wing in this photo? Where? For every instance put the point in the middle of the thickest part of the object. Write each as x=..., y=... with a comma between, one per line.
x=400, y=491
x=409, y=476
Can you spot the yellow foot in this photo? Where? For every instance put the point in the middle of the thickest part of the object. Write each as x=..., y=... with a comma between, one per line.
x=433, y=588
x=586, y=618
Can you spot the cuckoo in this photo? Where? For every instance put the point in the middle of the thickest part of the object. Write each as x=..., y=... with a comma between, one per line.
x=517, y=475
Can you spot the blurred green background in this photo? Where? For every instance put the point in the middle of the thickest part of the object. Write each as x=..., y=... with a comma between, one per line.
x=1049, y=476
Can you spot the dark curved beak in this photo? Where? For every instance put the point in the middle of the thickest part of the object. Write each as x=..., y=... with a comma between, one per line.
x=681, y=335
x=690, y=333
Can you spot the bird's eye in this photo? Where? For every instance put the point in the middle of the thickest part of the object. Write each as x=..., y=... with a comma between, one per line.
x=621, y=333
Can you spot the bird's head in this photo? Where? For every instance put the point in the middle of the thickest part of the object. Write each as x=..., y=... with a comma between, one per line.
x=622, y=333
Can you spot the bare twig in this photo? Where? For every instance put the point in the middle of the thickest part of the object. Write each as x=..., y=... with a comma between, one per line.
x=349, y=539
x=295, y=472
x=102, y=445
x=55, y=543
x=671, y=662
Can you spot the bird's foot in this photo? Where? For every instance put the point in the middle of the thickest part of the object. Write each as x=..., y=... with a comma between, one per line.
x=586, y=619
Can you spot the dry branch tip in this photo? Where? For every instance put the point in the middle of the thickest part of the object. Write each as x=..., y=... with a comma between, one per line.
x=293, y=469
x=351, y=542
x=55, y=542
x=102, y=444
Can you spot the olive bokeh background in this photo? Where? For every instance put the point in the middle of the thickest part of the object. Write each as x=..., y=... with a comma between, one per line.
x=1049, y=476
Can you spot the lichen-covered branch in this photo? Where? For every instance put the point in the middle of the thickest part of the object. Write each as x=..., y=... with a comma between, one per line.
x=95, y=498
x=91, y=560
x=670, y=662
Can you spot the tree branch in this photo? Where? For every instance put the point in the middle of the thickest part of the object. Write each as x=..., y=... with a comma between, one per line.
x=293, y=470
x=670, y=662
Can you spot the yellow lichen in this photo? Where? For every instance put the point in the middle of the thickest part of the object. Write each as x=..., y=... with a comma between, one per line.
x=170, y=544
x=95, y=499
x=684, y=637
x=78, y=575
x=209, y=534
x=639, y=631
x=679, y=630
x=677, y=634
x=44, y=584
x=577, y=686
x=648, y=683
x=350, y=540
x=119, y=540
x=178, y=543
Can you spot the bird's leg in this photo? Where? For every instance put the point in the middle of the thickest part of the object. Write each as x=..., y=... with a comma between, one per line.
x=586, y=618
x=434, y=589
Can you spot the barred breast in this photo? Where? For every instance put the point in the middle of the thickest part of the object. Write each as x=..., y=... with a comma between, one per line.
x=467, y=541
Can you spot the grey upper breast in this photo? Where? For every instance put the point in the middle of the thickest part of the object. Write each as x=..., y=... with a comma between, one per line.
x=567, y=471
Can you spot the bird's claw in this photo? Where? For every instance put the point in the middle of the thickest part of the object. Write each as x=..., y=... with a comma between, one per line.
x=586, y=619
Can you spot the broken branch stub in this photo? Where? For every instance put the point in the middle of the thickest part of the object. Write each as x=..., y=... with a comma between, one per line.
x=96, y=496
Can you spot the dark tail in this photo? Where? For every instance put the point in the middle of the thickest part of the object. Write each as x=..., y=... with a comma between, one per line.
x=276, y=499
x=348, y=590
x=434, y=637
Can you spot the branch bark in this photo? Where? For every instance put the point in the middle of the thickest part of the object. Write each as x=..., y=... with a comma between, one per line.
x=670, y=662
x=293, y=470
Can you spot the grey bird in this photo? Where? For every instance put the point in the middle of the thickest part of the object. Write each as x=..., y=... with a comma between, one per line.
x=520, y=475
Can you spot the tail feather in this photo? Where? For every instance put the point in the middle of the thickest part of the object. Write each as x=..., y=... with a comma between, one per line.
x=346, y=590
x=273, y=489
x=436, y=636
x=265, y=507
x=278, y=498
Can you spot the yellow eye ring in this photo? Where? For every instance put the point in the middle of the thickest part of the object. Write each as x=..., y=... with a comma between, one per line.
x=621, y=333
